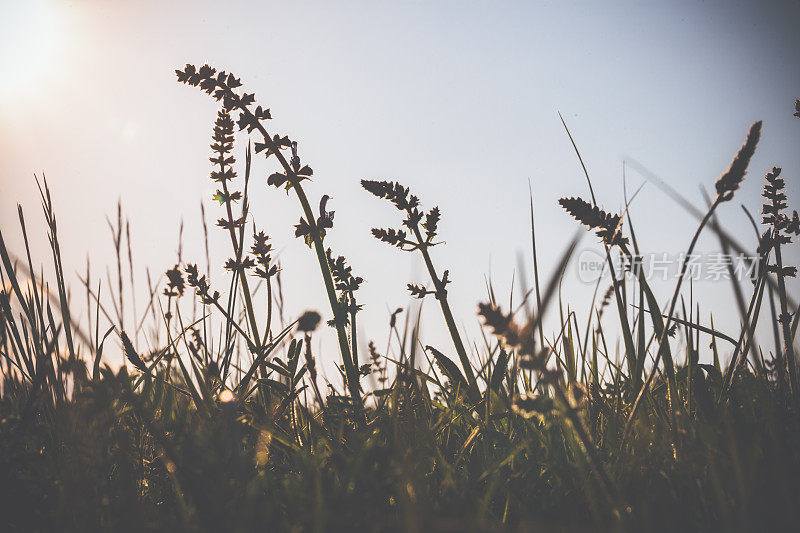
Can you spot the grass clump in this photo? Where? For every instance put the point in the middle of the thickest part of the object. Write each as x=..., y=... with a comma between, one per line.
x=222, y=422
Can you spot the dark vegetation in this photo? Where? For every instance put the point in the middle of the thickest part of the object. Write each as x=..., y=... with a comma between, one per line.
x=224, y=425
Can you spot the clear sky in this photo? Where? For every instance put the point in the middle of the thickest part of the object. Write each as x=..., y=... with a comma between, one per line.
x=458, y=100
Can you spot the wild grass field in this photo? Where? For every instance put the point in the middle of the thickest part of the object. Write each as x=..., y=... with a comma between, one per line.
x=227, y=425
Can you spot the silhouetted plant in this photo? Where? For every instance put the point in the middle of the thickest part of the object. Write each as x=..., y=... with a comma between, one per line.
x=347, y=284
x=261, y=250
x=174, y=289
x=503, y=325
x=130, y=352
x=781, y=228
x=608, y=226
x=222, y=86
x=223, y=175
x=203, y=291
x=729, y=182
x=407, y=203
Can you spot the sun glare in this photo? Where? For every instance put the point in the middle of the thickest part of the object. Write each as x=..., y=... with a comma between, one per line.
x=29, y=34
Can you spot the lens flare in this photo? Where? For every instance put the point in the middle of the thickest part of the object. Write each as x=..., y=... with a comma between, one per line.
x=28, y=37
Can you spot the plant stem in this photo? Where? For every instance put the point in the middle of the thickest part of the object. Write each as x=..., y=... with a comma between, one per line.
x=749, y=325
x=237, y=249
x=788, y=349
x=330, y=288
x=441, y=296
x=267, y=328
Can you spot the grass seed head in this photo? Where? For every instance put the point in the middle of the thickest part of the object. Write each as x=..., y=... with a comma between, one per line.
x=608, y=226
x=729, y=182
x=130, y=352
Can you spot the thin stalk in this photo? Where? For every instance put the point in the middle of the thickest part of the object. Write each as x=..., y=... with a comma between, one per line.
x=536, y=269
x=237, y=249
x=267, y=328
x=330, y=288
x=441, y=296
x=749, y=324
x=785, y=320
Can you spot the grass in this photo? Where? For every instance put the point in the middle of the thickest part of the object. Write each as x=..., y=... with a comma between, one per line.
x=222, y=423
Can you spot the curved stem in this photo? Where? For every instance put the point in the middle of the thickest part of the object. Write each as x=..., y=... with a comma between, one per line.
x=267, y=333
x=237, y=249
x=338, y=316
x=441, y=296
x=351, y=371
x=784, y=319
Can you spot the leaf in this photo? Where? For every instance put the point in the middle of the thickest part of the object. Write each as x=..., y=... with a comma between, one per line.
x=244, y=122
x=302, y=228
x=99, y=354
x=499, y=371
x=262, y=114
x=390, y=236
x=279, y=369
x=233, y=81
x=300, y=374
x=431, y=222
x=277, y=179
x=392, y=191
x=247, y=99
x=450, y=369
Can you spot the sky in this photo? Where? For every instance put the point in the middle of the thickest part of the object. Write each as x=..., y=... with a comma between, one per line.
x=457, y=100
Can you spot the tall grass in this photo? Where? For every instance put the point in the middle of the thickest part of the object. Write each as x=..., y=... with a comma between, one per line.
x=217, y=418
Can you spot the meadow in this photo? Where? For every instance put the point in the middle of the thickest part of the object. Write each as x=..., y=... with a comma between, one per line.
x=224, y=422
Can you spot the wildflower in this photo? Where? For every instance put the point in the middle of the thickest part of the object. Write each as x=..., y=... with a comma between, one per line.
x=342, y=274
x=175, y=284
x=308, y=321
x=262, y=251
x=200, y=285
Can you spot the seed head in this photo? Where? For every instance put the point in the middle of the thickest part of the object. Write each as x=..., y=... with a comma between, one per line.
x=130, y=352
x=608, y=226
x=308, y=321
x=729, y=182
x=392, y=191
